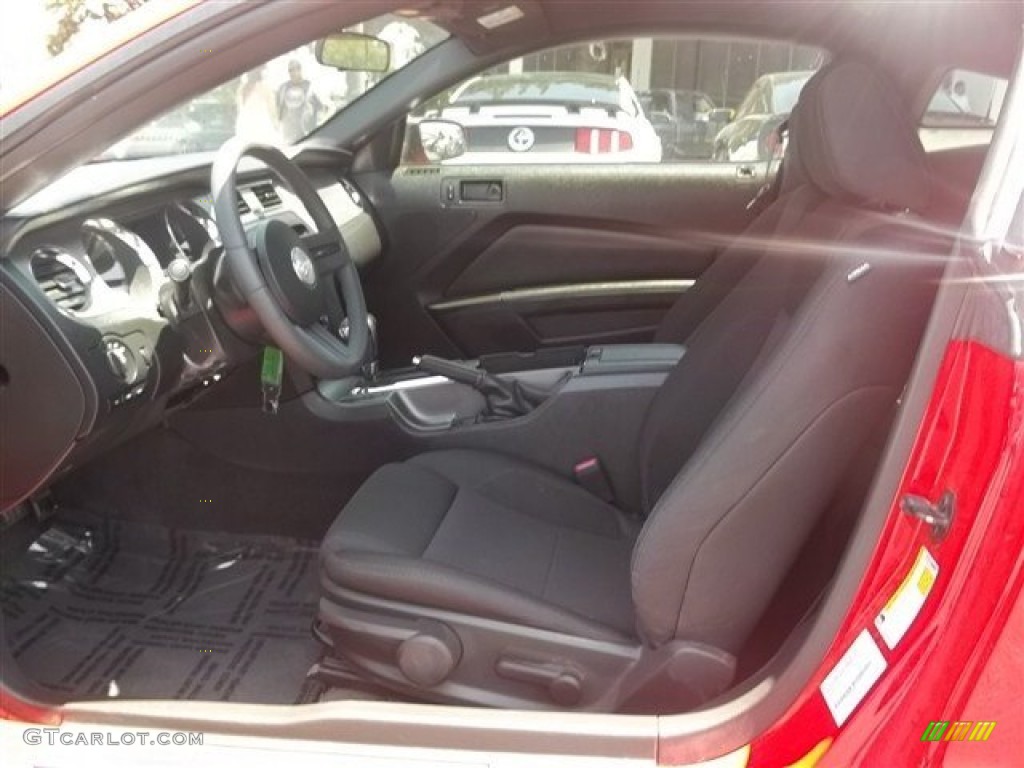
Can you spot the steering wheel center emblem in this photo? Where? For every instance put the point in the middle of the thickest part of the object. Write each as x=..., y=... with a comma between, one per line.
x=303, y=266
x=521, y=139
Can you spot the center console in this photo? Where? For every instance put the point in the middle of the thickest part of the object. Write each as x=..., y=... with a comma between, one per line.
x=554, y=407
x=440, y=395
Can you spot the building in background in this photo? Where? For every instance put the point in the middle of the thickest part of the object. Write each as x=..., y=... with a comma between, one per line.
x=722, y=69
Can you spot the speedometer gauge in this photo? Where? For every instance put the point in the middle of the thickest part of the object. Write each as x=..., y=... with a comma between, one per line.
x=122, y=259
x=103, y=255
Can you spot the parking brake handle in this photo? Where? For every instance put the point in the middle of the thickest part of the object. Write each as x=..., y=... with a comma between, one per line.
x=505, y=399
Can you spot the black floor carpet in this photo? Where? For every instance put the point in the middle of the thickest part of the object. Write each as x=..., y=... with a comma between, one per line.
x=108, y=608
x=160, y=478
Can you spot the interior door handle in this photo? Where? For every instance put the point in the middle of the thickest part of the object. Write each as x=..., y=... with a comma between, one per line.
x=482, y=191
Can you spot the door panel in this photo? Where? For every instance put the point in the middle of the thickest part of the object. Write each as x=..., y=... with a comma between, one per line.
x=559, y=315
x=533, y=241
x=533, y=255
x=551, y=255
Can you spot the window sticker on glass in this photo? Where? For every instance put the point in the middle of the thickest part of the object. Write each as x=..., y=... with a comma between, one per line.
x=500, y=18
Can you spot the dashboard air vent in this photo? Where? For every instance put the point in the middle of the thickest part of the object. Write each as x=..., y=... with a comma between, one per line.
x=424, y=170
x=243, y=207
x=64, y=280
x=267, y=195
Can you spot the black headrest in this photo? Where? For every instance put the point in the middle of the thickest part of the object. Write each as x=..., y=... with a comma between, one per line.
x=851, y=136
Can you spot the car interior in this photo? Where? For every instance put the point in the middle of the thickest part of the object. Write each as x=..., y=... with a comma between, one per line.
x=328, y=425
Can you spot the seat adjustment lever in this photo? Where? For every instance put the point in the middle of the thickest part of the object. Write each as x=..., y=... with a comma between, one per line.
x=564, y=685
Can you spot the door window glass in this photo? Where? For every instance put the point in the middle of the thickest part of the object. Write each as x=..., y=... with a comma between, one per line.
x=616, y=102
x=963, y=110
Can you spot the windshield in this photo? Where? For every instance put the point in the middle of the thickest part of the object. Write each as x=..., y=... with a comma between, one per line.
x=280, y=102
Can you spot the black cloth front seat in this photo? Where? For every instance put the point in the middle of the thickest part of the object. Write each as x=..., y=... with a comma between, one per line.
x=473, y=577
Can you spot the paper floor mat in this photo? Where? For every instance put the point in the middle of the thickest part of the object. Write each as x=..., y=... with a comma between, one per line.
x=111, y=608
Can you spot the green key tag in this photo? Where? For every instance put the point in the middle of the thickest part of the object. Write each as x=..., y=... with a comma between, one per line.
x=271, y=375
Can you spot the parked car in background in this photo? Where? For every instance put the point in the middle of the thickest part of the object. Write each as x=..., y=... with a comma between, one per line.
x=202, y=126
x=750, y=137
x=686, y=121
x=541, y=117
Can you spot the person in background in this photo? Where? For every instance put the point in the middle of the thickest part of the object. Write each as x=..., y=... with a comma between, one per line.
x=257, y=119
x=298, y=106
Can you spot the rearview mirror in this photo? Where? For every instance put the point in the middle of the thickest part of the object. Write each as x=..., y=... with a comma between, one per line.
x=354, y=52
x=721, y=116
x=441, y=140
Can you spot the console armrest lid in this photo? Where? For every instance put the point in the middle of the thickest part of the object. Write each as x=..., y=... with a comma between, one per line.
x=632, y=358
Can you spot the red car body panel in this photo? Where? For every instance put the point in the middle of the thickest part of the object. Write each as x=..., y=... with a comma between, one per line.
x=997, y=697
x=12, y=708
x=971, y=441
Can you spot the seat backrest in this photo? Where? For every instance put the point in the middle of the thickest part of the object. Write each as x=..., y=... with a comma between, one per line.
x=729, y=267
x=783, y=381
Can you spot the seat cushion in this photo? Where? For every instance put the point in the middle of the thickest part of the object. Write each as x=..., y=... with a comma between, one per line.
x=487, y=535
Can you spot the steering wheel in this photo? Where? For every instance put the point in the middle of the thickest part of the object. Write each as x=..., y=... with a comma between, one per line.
x=292, y=281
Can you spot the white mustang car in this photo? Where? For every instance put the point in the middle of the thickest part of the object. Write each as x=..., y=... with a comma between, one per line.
x=542, y=117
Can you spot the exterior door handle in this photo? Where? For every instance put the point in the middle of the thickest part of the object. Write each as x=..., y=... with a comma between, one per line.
x=746, y=171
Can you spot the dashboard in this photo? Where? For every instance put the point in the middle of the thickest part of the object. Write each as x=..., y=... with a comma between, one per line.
x=118, y=308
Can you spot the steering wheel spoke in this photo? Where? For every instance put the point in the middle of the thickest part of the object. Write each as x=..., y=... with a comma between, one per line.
x=332, y=302
x=323, y=339
x=326, y=250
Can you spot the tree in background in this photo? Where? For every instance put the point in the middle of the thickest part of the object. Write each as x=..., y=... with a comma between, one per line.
x=72, y=14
